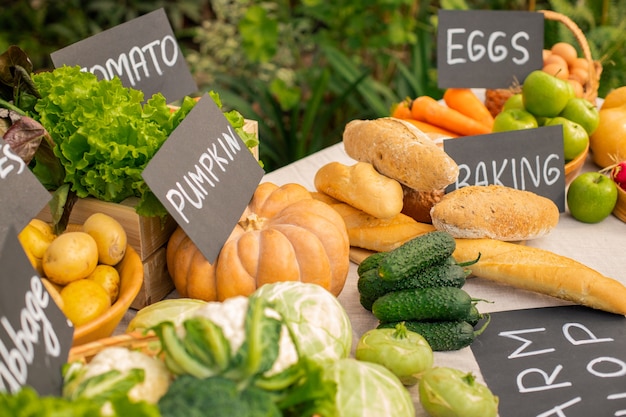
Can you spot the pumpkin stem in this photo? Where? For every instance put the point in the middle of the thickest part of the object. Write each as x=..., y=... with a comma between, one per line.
x=252, y=222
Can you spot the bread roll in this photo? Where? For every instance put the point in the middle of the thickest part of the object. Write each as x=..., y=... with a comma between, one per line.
x=400, y=151
x=542, y=271
x=361, y=186
x=417, y=204
x=496, y=212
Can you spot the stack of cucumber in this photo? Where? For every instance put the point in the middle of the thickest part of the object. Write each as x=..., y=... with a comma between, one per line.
x=419, y=283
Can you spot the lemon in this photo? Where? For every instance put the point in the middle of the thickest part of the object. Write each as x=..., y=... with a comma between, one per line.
x=109, y=235
x=71, y=256
x=84, y=300
x=108, y=277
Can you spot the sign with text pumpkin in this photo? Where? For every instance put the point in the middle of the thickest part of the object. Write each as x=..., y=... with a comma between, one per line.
x=21, y=193
x=35, y=336
x=487, y=49
x=205, y=176
x=555, y=361
x=528, y=159
x=143, y=53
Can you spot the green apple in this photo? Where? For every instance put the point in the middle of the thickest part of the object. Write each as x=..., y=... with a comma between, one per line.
x=584, y=113
x=516, y=101
x=575, y=137
x=591, y=197
x=544, y=94
x=513, y=119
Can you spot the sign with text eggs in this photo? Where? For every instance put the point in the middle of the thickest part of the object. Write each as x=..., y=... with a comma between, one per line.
x=487, y=49
x=528, y=159
x=35, y=336
x=205, y=176
x=143, y=53
x=21, y=193
x=555, y=361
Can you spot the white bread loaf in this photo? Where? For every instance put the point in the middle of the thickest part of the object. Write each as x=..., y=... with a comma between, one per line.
x=361, y=186
x=399, y=150
x=542, y=271
x=495, y=212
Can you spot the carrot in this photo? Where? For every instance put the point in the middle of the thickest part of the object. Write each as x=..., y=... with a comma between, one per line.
x=402, y=110
x=427, y=109
x=465, y=101
x=430, y=128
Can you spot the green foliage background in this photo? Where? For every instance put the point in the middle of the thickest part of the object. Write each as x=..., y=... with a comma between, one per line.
x=303, y=69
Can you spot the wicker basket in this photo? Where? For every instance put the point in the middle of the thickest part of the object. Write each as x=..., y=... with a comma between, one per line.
x=495, y=98
x=147, y=343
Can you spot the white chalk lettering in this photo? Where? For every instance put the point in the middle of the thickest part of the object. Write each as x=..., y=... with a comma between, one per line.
x=9, y=162
x=496, y=50
x=620, y=371
x=592, y=337
x=548, y=379
x=519, y=352
x=450, y=47
x=558, y=410
x=525, y=56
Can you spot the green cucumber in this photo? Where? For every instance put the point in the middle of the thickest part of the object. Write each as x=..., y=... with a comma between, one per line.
x=448, y=274
x=443, y=335
x=416, y=254
x=371, y=262
x=436, y=303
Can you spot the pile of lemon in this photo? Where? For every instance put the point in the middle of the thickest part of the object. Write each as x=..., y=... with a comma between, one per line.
x=78, y=266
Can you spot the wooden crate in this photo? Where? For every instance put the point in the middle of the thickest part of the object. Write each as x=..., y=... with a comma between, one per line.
x=147, y=235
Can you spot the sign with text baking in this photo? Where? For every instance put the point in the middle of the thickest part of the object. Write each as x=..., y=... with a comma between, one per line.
x=205, y=176
x=487, y=49
x=21, y=193
x=556, y=361
x=142, y=52
x=528, y=159
x=35, y=336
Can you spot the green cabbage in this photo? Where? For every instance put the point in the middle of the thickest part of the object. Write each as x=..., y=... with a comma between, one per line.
x=319, y=324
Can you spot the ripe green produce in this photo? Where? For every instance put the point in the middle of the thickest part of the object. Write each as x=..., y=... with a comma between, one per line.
x=583, y=112
x=591, y=197
x=575, y=137
x=448, y=392
x=403, y=352
x=545, y=95
x=514, y=119
x=516, y=101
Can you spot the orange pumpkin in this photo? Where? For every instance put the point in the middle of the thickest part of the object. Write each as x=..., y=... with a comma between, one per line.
x=283, y=235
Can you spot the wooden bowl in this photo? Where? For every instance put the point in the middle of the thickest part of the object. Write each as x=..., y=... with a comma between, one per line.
x=573, y=167
x=131, y=280
x=620, y=208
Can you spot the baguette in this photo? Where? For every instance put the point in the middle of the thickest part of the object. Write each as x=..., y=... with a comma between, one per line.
x=496, y=212
x=361, y=186
x=542, y=271
x=399, y=150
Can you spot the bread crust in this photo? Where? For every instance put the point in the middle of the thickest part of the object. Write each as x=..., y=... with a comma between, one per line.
x=417, y=204
x=496, y=212
x=401, y=151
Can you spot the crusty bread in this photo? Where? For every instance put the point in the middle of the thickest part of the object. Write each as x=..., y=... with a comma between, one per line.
x=400, y=151
x=542, y=271
x=495, y=211
x=369, y=232
x=361, y=186
x=417, y=204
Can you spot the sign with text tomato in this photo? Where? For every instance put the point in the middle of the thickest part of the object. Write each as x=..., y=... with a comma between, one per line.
x=143, y=53
x=556, y=361
x=35, y=336
x=487, y=49
x=205, y=176
x=527, y=159
x=21, y=193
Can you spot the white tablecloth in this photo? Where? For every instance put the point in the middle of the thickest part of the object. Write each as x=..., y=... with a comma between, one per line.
x=599, y=246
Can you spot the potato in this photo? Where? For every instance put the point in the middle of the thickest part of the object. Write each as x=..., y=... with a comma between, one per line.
x=109, y=235
x=71, y=256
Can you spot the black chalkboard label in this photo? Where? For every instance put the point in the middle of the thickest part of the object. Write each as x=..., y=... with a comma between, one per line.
x=557, y=361
x=528, y=159
x=21, y=193
x=35, y=336
x=487, y=49
x=142, y=52
x=205, y=176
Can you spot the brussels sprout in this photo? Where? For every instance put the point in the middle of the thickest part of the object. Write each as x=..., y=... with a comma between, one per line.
x=448, y=392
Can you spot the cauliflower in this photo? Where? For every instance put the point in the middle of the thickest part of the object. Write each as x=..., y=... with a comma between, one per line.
x=111, y=370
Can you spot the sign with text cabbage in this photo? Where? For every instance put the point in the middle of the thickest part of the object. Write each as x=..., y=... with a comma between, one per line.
x=487, y=48
x=205, y=176
x=555, y=361
x=143, y=53
x=528, y=159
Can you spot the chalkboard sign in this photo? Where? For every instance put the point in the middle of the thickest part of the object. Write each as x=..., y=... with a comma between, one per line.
x=488, y=49
x=35, y=336
x=528, y=159
x=205, y=176
x=557, y=361
x=21, y=193
x=143, y=53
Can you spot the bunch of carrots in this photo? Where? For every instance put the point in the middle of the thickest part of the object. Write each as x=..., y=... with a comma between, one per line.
x=463, y=113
